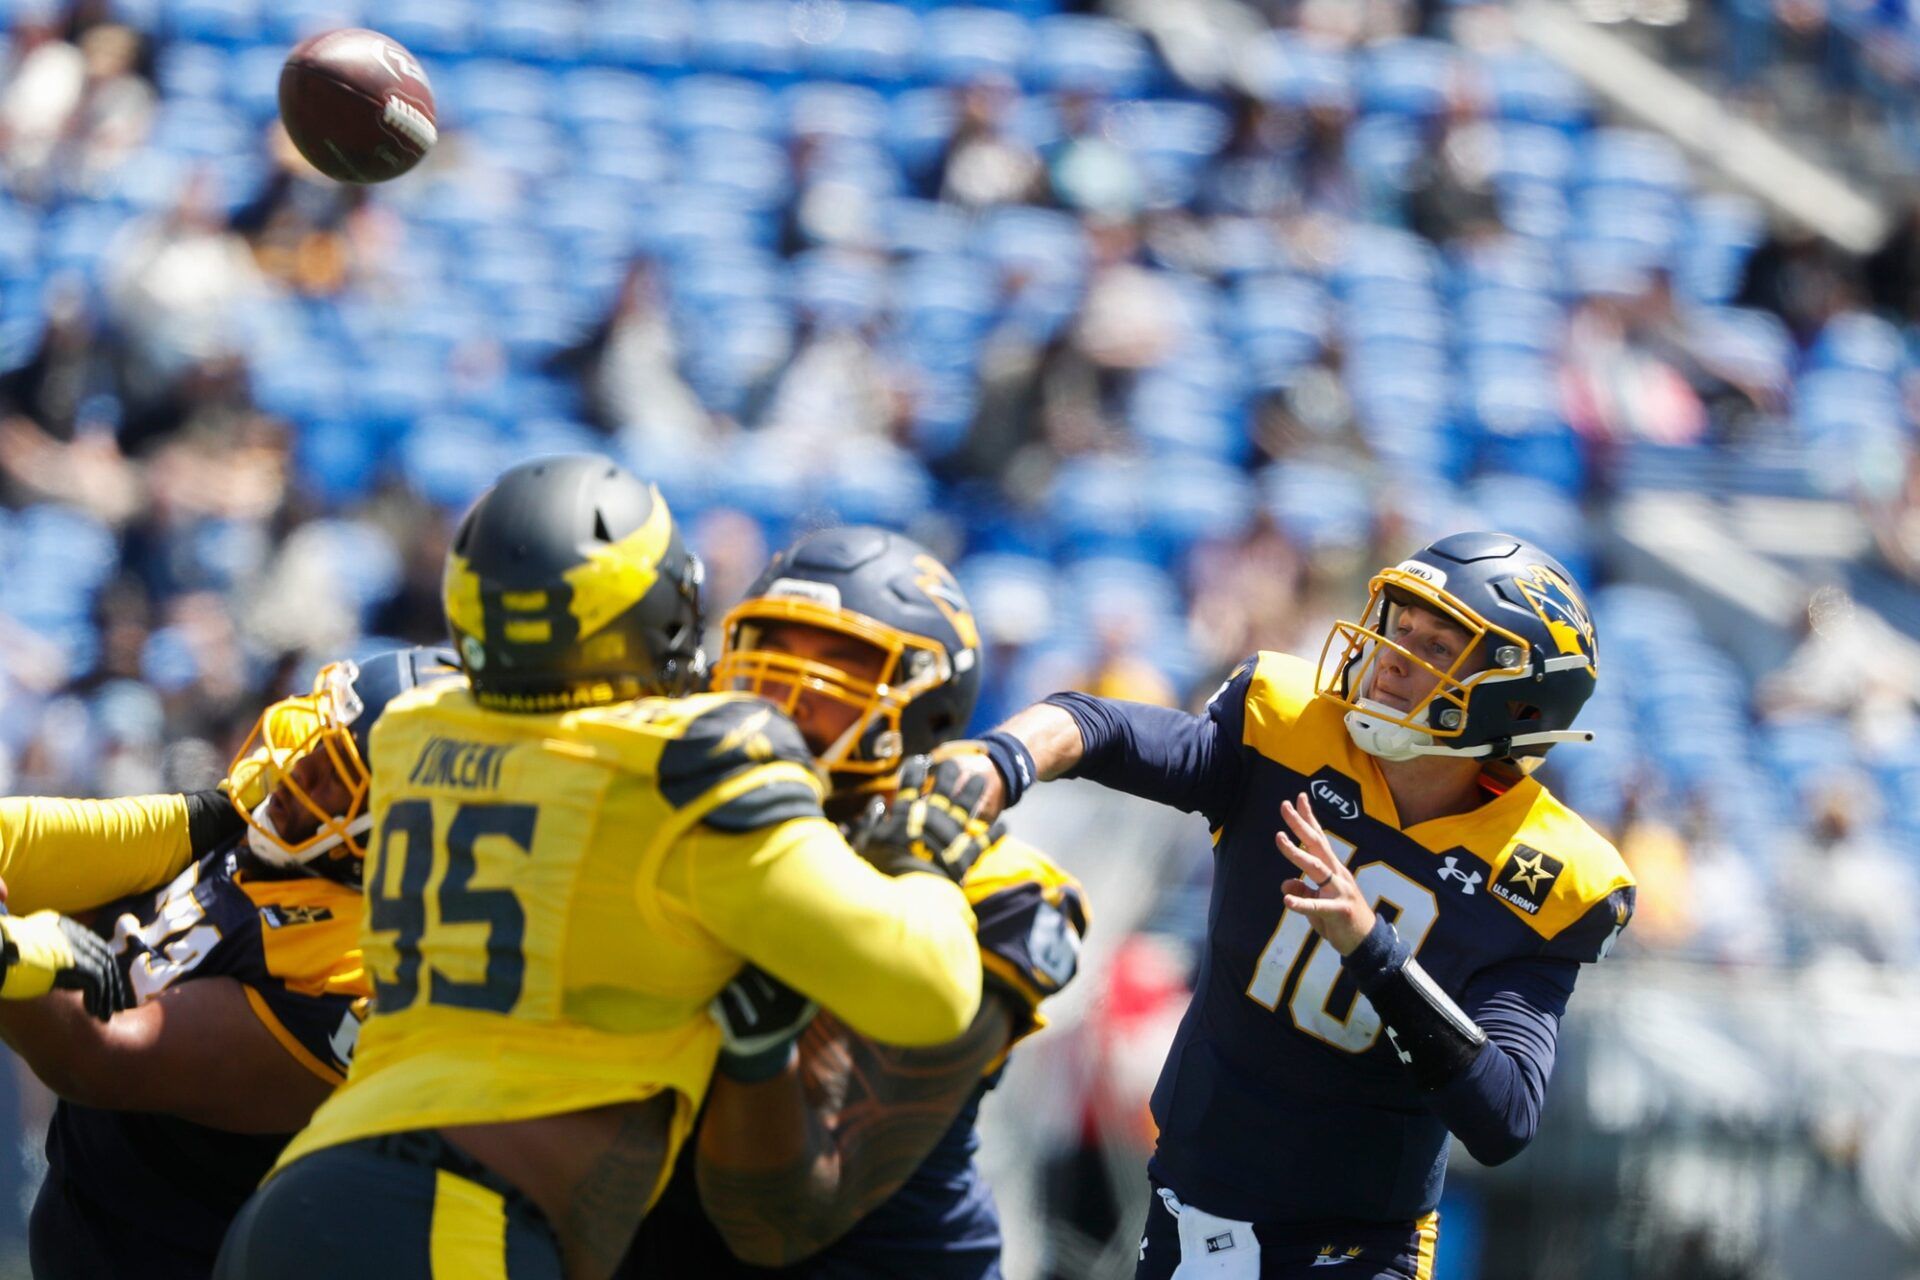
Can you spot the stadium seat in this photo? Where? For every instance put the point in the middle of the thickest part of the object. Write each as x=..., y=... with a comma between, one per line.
x=1089, y=54
x=753, y=38
x=959, y=45
x=655, y=36
x=229, y=22
x=874, y=44
x=540, y=31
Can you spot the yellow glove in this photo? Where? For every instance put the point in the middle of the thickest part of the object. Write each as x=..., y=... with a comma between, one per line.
x=47, y=950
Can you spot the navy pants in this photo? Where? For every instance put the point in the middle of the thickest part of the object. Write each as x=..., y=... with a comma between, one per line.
x=402, y=1207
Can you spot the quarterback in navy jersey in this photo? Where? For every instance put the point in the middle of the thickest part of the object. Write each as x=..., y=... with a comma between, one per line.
x=247, y=993
x=839, y=1158
x=1399, y=910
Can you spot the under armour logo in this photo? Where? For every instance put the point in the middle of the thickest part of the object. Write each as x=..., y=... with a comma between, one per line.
x=1403, y=1054
x=1467, y=879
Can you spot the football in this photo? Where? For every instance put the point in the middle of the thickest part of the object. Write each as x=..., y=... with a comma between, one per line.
x=357, y=105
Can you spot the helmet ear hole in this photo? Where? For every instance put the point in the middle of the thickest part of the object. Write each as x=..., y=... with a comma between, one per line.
x=600, y=526
x=1519, y=711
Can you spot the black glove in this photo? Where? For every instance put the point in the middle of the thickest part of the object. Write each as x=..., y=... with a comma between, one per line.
x=930, y=825
x=760, y=1018
x=47, y=950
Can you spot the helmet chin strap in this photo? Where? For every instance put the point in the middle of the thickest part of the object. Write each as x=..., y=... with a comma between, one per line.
x=264, y=840
x=1385, y=740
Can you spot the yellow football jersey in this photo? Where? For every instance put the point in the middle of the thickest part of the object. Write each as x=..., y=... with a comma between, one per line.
x=72, y=855
x=553, y=900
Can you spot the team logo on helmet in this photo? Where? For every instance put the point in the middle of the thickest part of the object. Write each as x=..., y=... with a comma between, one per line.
x=1561, y=609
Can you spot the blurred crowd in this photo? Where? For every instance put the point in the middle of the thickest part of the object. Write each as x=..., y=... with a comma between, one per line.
x=1166, y=335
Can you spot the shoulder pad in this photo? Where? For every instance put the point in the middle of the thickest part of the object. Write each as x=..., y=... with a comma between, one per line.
x=1279, y=688
x=1031, y=916
x=1557, y=872
x=725, y=737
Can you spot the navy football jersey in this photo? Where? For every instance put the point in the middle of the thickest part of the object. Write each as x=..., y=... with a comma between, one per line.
x=154, y=1194
x=942, y=1223
x=1281, y=1100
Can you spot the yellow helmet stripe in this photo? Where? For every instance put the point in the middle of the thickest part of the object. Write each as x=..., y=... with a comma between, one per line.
x=617, y=575
x=464, y=610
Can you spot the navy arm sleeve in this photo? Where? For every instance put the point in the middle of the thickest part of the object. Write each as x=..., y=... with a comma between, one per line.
x=1494, y=1106
x=1191, y=762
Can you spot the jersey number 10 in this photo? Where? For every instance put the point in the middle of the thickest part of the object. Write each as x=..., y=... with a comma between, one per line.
x=1413, y=909
x=405, y=910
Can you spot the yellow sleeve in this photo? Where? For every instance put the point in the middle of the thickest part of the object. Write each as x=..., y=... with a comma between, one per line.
x=69, y=855
x=893, y=957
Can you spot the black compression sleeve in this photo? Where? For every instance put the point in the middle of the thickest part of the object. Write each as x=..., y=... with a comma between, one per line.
x=211, y=820
x=1433, y=1036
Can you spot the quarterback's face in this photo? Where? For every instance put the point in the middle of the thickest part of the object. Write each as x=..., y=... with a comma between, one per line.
x=821, y=719
x=1430, y=637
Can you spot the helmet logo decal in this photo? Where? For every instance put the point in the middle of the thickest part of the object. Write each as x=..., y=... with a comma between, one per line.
x=824, y=593
x=1561, y=609
x=1423, y=571
x=474, y=652
x=615, y=575
x=945, y=594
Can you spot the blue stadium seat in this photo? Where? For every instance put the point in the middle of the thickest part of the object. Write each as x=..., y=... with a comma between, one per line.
x=1534, y=88
x=748, y=38
x=655, y=36
x=875, y=483
x=712, y=103
x=1321, y=505
x=839, y=288
x=185, y=69
x=1534, y=151
x=229, y=22
x=1040, y=240
x=530, y=149
x=835, y=111
x=872, y=44
x=1635, y=157
x=1858, y=341
x=204, y=129
x=1089, y=54
x=1409, y=77
x=590, y=96
x=747, y=170
x=1281, y=67
x=483, y=88
x=450, y=460
x=543, y=31
x=289, y=21
x=254, y=80
x=959, y=45
x=429, y=28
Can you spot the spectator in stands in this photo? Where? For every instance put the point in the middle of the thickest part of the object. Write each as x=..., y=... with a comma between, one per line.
x=114, y=110
x=1892, y=271
x=983, y=164
x=299, y=224
x=1846, y=665
x=1086, y=171
x=45, y=78
x=1850, y=893
x=70, y=364
x=837, y=388
x=628, y=368
x=1246, y=593
x=1449, y=189
x=177, y=289
x=1248, y=176
x=1801, y=278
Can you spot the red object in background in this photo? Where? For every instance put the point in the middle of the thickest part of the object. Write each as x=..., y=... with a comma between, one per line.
x=357, y=105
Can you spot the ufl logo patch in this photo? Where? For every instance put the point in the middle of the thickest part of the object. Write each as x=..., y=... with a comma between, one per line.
x=1527, y=879
x=1324, y=793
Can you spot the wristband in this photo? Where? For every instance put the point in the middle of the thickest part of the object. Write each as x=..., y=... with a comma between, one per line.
x=1013, y=762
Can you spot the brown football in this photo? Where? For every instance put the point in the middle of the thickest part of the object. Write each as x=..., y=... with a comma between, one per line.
x=357, y=105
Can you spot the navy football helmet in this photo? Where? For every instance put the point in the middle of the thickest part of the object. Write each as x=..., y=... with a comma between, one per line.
x=568, y=585
x=1514, y=689
x=890, y=592
x=336, y=718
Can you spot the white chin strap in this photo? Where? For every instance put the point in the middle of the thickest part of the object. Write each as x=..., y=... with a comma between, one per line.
x=1377, y=735
x=1383, y=739
x=263, y=838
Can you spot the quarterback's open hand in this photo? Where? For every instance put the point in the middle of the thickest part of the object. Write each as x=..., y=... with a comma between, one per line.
x=47, y=950
x=930, y=825
x=1324, y=891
